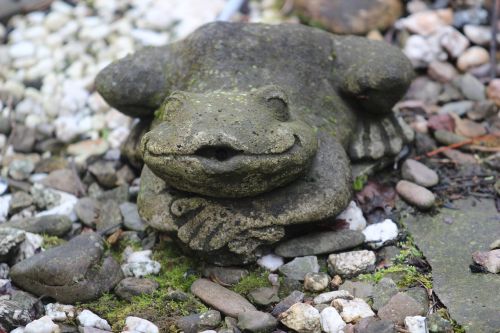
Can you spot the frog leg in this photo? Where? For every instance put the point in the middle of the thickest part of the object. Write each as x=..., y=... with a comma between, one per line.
x=372, y=76
x=137, y=84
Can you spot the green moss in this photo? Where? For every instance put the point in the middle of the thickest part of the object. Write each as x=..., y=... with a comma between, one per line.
x=408, y=276
x=409, y=251
x=176, y=274
x=51, y=241
x=443, y=312
x=254, y=280
x=360, y=182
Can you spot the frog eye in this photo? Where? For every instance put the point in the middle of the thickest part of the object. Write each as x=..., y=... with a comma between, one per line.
x=277, y=101
x=172, y=104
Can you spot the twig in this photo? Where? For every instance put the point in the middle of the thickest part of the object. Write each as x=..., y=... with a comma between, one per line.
x=493, y=45
x=456, y=145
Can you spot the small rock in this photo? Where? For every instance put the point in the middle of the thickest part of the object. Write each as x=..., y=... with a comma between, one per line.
x=418, y=173
x=220, y=298
x=88, y=211
x=299, y=267
x=139, y=325
x=399, y=307
x=60, y=312
x=42, y=325
x=453, y=41
x=489, y=260
x=53, y=225
x=448, y=138
x=328, y=297
x=271, y=262
x=459, y=108
x=316, y=281
x=442, y=71
x=458, y=157
x=415, y=194
x=320, y=243
x=426, y=22
x=469, y=128
x=139, y=264
x=493, y=91
x=84, y=149
x=23, y=139
x=10, y=240
x=87, y=318
x=21, y=169
x=358, y=289
x=130, y=287
x=352, y=310
x=256, y=321
x=376, y=235
x=64, y=180
x=225, y=275
x=470, y=87
x=110, y=218
x=383, y=292
x=20, y=200
x=349, y=264
x=373, y=325
x=105, y=173
x=353, y=215
x=4, y=271
x=480, y=35
x=131, y=218
x=416, y=324
x=295, y=297
x=263, y=296
x=482, y=110
x=437, y=324
x=472, y=57
x=302, y=318
x=331, y=321
x=199, y=322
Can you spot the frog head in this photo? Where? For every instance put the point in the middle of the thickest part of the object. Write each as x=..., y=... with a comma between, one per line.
x=229, y=144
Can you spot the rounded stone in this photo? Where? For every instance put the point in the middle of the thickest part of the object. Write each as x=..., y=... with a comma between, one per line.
x=316, y=281
x=130, y=287
x=419, y=173
x=415, y=195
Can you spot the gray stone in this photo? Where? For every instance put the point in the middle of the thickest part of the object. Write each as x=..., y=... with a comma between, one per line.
x=399, y=307
x=110, y=218
x=438, y=324
x=383, y=292
x=19, y=201
x=459, y=108
x=453, y=282
x=21, y=169
x=53, y=225
x=287, y=302
x=10, y=239
x=299, y=267
x=195, y=129
x=14, y=314
x=448, y=138
x=220, y=298
x=105, y=173
x=373, y=325
x=130, y=287
x=420, y=295
x=316, y=281
x=199, y=322
x=65, y=180
x=131, y=218
x=419, y=173
x=328, y=297
x=263, y=296
x=177, y=295
x=416, y=195
x=4, y=271
x=76, y=271
x=23, y=139
x=88, y=211
x=363, y=290
x=226, y=275
x=256, y=321
x=470, y=87
x=320, y=243
x=482, y=110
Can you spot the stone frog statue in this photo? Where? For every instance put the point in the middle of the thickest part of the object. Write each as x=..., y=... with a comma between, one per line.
x=246, y=129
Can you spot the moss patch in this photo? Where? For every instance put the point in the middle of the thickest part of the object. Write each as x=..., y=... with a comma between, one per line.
x=254, y=280
x=177, y=273
x=405, y=276
x=51, y=241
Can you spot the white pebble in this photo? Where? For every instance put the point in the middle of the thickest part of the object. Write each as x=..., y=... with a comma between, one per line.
x=353, y=310
x=87, y=318
x=331, y=321
x=379, y=233
x=327, y=297
x=22, y=49
x=271, y=262
x=353, y=215
x=416, y=324
x=42, y=325
x=139, y=325
x=60, y=312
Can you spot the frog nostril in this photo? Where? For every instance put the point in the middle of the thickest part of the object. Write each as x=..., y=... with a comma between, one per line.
x=219, y=153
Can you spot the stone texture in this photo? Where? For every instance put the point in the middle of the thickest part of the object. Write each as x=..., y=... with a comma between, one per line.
x=263, y=296
x=53, y=225
x=299, y=267
x=226, y=275
x=415, y=194
x=316, y=281
x=349, y=264
x=130, y=287
x=331, y=321
x=294, y=297
x=302, y=318
x=358, y=289
x=220, y=298
x=399, y=307
x=331, y=295
x=352, y=310
x=256, y=321
x=419, y=173
x=320, y=243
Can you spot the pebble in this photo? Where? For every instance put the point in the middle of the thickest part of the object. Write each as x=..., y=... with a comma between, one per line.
x=263, y=296
x=320, y=243
x=271, y=262
x=10, y=239
x=84, y=149
x=302, y=318
x=224, y=275
x=493, y=91
x=328, y=297
x=4, y=271
x=417, y=172
x=416, y=324
x=489, y=260
x=130, y=287
x=425, y=23
x=373, y=325
x=483, y=109
x=480, y=35
x=448, y=138
x=87, y=318
x=60, y=312
x=42, y=325
x=469, y=128
x=422, y=51
x=88, y=210
x=139, y=264
x=453, y=41
x=349, y=264
x=316, y=281
x=377, y=234
x=383, y=292
x=352, y=310
x=220, y=298
x=21, y=169
x=472, y=57
x=294, y=297
x=131, y=218
x=442, y=71
x=139, y=325
x=22, y=50
x=399, y=307
x=331, y=321
x=299, y=267
x=470, y=87
x=353, y=216
x=256, y=321
x=459, y=108
x=52, y=225
x=199, y=322
x=415, y=194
